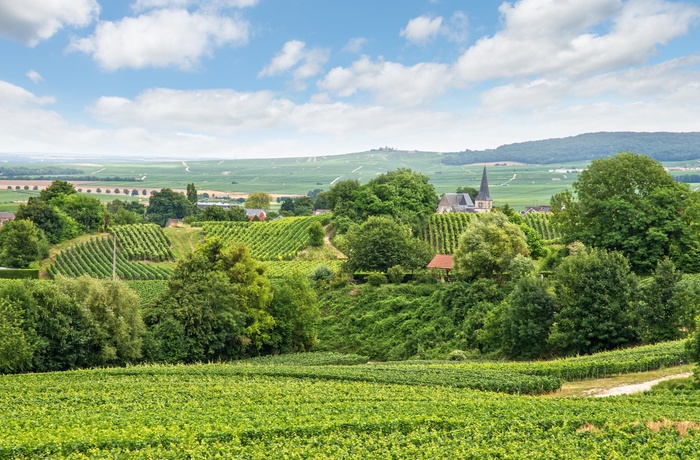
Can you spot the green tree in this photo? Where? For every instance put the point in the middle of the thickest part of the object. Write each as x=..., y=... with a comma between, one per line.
x=594, y=300
x=380, y=243
x=488, y=246
x=321, y=201
x=57, y=188
x=191, y=194
x=168, y=204
x=21, y=243
x=296, y=315
x=316, y=234
x=215, y=307
x=258, y=200
x=660, y=316
x=16, y=347
x=56, y=224
x=87, y=211
x=629, y=203
x=303, y=206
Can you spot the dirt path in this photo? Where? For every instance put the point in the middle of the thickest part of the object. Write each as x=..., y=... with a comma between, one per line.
x=329, y=245
x=634, y=388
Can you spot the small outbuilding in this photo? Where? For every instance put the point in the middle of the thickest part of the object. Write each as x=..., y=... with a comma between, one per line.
x=442, y=262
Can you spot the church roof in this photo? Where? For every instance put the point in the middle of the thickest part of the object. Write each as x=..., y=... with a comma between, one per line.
x=457, y=199
x=484, y=194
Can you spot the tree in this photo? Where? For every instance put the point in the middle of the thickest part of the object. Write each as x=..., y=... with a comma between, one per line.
x=215, y=307
x=258, y=200
x=321, y=201
x=660, y=315
x=192, y=194
x=488, y=246
x=87, y=211
x=629, y=203
x=56, y=224
x=55, y=189
x=21, y=243
x=168, y=204
x=316, y=234
x=380, y=243
x=594, y=298
x=296, y=315
x=303, y=206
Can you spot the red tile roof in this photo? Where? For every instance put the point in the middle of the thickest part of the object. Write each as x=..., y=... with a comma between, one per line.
x=443, y=261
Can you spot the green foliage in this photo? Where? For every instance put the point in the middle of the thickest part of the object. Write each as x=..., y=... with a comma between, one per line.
x=143, y=242
x=57, y=189
x=543, y=224
x=258, y=200
x=16, y=348
x=380, y=243
x=594, y=299
x=296, y=315
x=488, y=246
x=630, y=204
x=191, y=194
x=215, y=307
x=316, y=234
x=471, y=191
x=376, y=279
x=86, y=211
x=168, y=204
x=56, y=224
x=660, y=315
x=395, y=274
x=21, y=243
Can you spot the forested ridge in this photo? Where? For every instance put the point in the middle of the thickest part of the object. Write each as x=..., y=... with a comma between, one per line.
x=662, y=146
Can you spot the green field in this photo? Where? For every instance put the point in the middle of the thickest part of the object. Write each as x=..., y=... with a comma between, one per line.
x=304, y=408
x=518, y=185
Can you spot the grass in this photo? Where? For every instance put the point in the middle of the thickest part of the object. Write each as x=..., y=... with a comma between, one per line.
x=184, y=239
x=585, y=387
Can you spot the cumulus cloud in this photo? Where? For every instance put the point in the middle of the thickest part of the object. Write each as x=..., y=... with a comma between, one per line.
x=31, y=21
x=161, y=38
x=574, y=38
x=34, y=76
x=294, y=55
x=355, y=45
x=390, y=82
x=422, y=29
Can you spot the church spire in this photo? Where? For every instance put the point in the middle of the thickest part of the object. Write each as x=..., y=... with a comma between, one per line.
x=484, y=189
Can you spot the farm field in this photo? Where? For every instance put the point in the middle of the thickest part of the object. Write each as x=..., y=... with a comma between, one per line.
x=306, y=406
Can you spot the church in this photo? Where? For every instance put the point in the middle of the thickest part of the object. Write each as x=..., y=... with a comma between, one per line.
x=462, y=202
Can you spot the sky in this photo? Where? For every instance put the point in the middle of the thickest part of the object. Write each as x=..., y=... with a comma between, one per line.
x=196, y=79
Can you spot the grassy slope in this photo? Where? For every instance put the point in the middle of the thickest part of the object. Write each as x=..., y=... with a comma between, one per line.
x=184, y=239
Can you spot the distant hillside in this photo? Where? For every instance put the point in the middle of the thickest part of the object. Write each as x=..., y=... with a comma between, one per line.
x=586, y=147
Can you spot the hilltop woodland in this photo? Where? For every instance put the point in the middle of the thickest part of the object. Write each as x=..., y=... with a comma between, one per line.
x=614, y=266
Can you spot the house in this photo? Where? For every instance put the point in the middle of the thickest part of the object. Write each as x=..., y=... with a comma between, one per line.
x=253, y=213
x=205, y=204
x=462, y=202
x=545, y=209
x=5, y=216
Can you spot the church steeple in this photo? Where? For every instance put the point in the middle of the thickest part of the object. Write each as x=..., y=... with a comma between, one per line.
x=483, y=200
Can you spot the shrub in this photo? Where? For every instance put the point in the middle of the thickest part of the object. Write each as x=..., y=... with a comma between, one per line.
x=395, y=274
x=376, y=279
x=457, y=355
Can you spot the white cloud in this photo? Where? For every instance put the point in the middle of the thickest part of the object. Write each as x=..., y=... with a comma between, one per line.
x=161, y=38
x=390, y=82
x=294, y=55
x=355, y=45
x=34, y=76
x=31, y=21
x=562, y=37
x=141, y=5
x=422, y=29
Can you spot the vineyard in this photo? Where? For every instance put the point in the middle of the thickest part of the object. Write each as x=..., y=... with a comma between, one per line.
x=279, y=239
x=278, y=269
x=444, y=230
x=135, y=243
x=542, y=223
x=306, y=406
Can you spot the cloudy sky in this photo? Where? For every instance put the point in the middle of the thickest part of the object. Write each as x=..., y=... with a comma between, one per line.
x=265, y=78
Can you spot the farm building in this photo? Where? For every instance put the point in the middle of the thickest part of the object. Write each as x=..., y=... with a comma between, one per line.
x=5, y=216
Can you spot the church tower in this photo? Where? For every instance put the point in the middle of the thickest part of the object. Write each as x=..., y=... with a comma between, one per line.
x=483, y=202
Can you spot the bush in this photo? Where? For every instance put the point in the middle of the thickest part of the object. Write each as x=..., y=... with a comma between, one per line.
x=395, y=274
x=375, y=279
x=457, y=355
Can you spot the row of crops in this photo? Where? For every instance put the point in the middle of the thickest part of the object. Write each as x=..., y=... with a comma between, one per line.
x=260, y=409
x=542, y=223
x=94, y=257
x=444, y=230
x=143, y=242
x=279, y=269
x=279, y=239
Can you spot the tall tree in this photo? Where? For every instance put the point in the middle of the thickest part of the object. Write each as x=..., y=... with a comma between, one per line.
x=191, y=194
x=258, y=200
x=168, y=204
x=55, y=189
x=21, y=242
x=629, y=203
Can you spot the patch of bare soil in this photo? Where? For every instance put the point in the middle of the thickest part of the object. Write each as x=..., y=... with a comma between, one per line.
x=634, y=388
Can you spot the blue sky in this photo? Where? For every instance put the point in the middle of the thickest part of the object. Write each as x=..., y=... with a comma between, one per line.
x=267, y=78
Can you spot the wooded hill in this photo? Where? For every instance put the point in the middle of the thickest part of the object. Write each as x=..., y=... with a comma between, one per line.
x=585, y=147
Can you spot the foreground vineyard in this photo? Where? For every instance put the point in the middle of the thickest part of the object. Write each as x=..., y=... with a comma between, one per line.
x=241, y=411
x=444, y=230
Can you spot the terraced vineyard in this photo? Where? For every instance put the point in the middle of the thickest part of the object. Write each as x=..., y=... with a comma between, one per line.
x=135, y=243
x=312, y=407
x=279, y=239
x=444, y=230
x=542, y=223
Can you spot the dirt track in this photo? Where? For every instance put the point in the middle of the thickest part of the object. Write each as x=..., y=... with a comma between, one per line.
x=635, y=388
